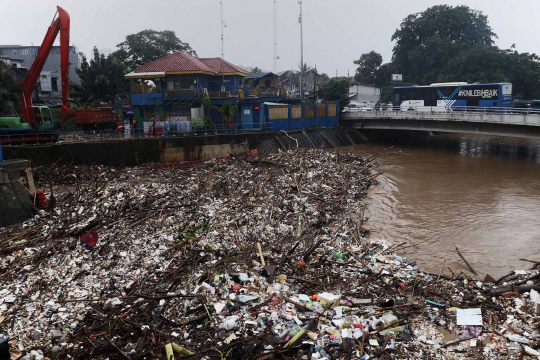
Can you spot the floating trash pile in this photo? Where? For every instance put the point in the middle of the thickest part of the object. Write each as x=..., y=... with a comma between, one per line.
x=258, y=257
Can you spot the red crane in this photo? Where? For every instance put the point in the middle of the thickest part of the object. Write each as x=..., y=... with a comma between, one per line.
x=60, y=24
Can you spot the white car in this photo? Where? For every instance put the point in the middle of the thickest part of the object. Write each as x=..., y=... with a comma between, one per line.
x=354, y=107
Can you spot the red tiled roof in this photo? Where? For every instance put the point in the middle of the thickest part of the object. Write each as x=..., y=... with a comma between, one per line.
x=184, y=62
x=222, y=66
x=175, y=62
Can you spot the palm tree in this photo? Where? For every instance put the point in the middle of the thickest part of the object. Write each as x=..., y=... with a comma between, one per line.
x=228, y=111
x=305, y=69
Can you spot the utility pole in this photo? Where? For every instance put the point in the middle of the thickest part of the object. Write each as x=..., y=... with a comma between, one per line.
x=223, y=25
x=315, y=82
x=276, y=56
x=301, y=53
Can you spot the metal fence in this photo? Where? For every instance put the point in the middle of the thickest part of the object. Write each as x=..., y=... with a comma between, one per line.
x=126, y=133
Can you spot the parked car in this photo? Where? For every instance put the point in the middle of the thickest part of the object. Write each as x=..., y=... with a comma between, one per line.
x=356, y=106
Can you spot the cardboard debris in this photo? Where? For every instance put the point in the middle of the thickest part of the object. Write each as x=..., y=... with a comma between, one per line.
x=469, y=317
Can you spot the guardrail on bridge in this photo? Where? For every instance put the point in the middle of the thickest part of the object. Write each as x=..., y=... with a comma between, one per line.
x=509, y=116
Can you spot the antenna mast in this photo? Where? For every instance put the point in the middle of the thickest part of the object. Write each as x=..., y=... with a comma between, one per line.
x=223, y=25
x=276, y=56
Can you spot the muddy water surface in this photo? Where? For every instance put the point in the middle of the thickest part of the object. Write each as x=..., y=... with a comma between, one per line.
x=479, y=193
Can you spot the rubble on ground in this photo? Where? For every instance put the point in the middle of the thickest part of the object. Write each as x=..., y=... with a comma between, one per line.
x=258, y=257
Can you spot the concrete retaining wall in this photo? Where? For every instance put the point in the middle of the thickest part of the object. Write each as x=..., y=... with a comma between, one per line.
x=131, y=152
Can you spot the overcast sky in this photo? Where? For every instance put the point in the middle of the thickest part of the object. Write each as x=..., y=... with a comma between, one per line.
x=335, y=32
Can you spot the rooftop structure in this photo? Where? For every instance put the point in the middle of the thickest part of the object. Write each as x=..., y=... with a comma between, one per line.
x=181, y=63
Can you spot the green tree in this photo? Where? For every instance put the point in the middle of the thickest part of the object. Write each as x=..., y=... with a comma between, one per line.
x=475, y=63
x=256, y=70
x=227, y=110
x=383, y=75
x=9, y=90
x=443, y=28
x=102, y=80
x=523, y=71
x=336, y=89
x=368, y=64
x=149, y=45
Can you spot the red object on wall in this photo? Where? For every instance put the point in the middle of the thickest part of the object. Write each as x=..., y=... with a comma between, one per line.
x=41, y=198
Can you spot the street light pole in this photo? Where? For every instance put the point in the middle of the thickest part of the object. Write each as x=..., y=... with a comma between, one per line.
x=301, y=53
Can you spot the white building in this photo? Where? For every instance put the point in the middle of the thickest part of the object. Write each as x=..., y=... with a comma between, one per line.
x=364, y=93
x=11, y=61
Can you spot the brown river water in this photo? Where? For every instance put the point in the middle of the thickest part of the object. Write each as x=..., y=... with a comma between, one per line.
x=480, y=193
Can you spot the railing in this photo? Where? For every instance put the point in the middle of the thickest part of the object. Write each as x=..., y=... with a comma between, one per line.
x=222, y=94
x=266, y=92
x=127, y=133
x=269, y=92
x=180, y=93
x=499, y=115
x=144, y=89
x=440, y=109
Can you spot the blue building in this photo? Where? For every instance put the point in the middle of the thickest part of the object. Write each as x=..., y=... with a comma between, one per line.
x=169, y=88
x=173, y=88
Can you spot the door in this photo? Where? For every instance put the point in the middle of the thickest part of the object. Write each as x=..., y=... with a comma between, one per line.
x=54, y=84
x=256, y=111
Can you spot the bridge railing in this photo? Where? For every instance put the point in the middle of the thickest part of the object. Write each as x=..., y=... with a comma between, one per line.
x=499, y=115
x=440, y=109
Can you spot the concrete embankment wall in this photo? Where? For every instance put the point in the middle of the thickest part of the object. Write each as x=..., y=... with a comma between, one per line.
x=15, y=201
x=129, y=152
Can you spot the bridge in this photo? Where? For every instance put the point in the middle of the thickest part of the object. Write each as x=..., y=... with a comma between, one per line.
x=470, y=120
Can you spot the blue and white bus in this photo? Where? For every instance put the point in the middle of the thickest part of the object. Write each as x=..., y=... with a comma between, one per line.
x=453, y=96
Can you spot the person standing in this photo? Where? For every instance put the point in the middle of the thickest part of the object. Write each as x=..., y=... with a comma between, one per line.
x=154, y=132
x=134, y=127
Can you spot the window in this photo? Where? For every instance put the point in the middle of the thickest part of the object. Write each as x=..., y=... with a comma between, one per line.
x=186, y=82
x=430, y=96
x=24, y=52
x=14, y=52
